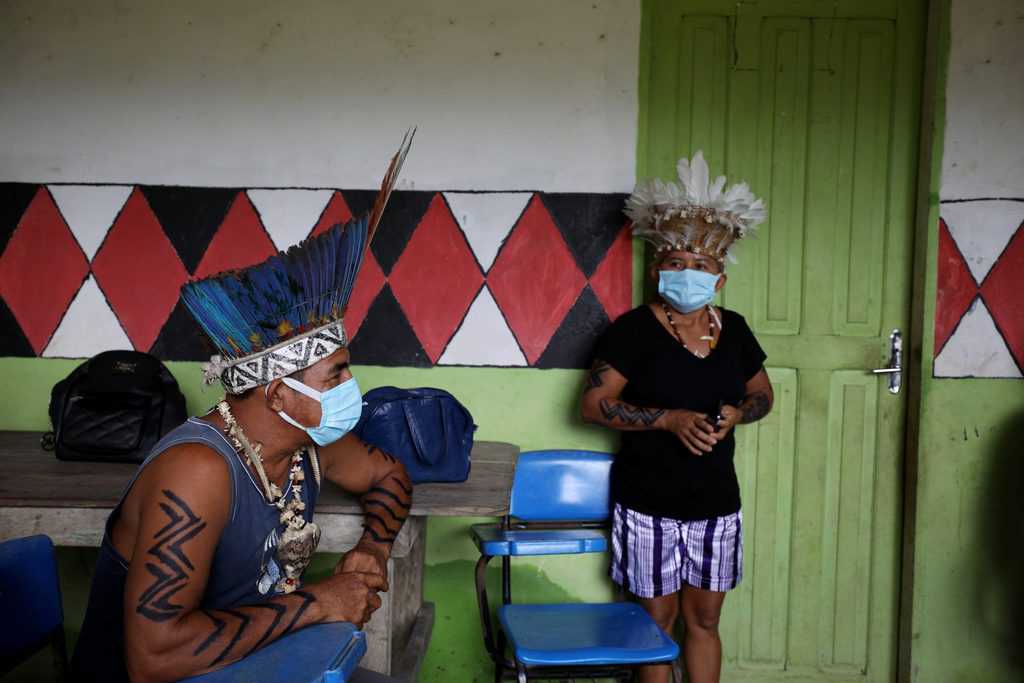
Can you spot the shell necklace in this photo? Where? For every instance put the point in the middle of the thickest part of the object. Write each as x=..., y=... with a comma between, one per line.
x=298, y=542
x=713, y=321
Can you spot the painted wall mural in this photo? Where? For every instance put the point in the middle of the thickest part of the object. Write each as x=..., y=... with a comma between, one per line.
x=979, y=313
x=453, y=278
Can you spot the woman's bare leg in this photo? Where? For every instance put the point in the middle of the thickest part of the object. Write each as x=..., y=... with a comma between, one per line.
x=664, y=610
x=702, y=648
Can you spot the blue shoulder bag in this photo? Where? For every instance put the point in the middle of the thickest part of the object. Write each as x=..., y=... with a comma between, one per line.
x=427, y=429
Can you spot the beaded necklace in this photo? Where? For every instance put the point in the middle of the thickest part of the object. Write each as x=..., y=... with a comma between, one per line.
x=709, y=337
x=299, y=540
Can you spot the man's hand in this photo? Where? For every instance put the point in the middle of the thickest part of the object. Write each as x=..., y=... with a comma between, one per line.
x=731, y=417
x=365, y=558
x=693, y=429
x=350, y=596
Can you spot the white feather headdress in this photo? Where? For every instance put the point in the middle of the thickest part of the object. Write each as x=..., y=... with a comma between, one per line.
x=696, y=215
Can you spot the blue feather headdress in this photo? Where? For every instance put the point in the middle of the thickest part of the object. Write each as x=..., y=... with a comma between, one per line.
x=280, y=316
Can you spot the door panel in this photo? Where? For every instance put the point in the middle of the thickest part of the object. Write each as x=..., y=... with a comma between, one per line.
x=816, y=106
x=767, y=489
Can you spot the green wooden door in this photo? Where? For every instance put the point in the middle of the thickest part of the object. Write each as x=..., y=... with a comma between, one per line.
x=816, y=105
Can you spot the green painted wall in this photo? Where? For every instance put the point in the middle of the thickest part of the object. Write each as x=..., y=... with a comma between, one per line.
x=965, y=614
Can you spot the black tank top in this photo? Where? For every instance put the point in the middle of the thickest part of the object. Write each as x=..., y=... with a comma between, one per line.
x=244, y=568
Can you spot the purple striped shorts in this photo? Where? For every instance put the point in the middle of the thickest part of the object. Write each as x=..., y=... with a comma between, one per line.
x=654, y=556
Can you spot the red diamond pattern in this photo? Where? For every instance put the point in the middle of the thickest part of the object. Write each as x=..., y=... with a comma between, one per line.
x=139, y=271
x=41, y=269
x=335, y=212
x=535, y=280
x=436, y=278
x=612, y=281
x=240, y=241
x=1002, y=291
x=369, y=282
x=955, y=290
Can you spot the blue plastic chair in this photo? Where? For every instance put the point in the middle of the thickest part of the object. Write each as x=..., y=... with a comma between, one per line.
x=560, y=506
x=32, y=616
x=324, y=653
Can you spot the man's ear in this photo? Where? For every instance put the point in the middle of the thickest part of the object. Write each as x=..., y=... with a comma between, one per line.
x=275, y=395
x=722, y=277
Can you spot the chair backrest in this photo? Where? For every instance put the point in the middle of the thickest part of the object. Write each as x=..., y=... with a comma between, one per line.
x=30, y=592
x=561, y=485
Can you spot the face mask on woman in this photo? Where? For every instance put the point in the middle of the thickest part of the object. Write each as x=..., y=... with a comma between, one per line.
x=687, y=290
x=340, y=408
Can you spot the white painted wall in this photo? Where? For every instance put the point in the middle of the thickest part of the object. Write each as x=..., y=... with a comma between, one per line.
x=984, y=146
x=523, y=94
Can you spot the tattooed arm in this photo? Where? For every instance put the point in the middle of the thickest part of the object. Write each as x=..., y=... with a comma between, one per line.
x=168, y=532
x=601, y=405
x=385, y=493
x=756, y=404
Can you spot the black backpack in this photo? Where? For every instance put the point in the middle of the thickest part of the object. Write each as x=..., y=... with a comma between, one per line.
x=114, y=407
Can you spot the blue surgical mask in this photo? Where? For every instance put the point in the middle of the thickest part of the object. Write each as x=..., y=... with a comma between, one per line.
x=340, y=408
x=687, y=290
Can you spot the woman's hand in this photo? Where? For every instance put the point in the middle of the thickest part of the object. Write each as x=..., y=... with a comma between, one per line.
x=731, y=417
x=693, y=429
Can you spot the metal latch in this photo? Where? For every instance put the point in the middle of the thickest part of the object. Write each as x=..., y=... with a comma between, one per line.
x=895, y=367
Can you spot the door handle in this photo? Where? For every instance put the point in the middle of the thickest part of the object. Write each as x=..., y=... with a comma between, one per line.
x=895, y=367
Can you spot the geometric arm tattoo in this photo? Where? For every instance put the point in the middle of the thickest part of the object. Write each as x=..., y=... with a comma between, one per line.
x=754, y=407
x=171, y=563
x=626, y=414
x=594, y=379
x=237, y=621
x=385, y=508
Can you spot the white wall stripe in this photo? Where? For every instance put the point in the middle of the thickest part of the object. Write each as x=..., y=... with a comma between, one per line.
x=487, y=218
x=89, y=327
x=90, y=210
x=289, y=215
x=976, y=349
x=484, y=338
x=982, y=230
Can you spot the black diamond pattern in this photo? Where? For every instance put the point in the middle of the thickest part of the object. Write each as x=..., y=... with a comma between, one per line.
x=190, y=216
x=12, y=340
x=401, y=217
x=14, y=199
x=386, y=337
x=181, y=338
x=589, y=223
x=572, y=344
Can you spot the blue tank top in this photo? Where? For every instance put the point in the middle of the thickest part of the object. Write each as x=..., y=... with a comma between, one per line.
x=244, y=569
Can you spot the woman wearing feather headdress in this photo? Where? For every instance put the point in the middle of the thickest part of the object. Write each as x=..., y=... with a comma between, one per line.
x=675, y=377
x=203, y=557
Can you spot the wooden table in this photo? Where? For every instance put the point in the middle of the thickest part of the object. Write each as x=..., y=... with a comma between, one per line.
x=70, y=502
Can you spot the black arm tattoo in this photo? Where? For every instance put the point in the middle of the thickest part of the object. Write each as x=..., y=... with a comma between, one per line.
x=404, y=504
x=220, y=618
x=594, y=380
x=385, y=508
x=755, y=407
x=171, y=569
x=629, y=415
x=373, y=450
x=393, y=497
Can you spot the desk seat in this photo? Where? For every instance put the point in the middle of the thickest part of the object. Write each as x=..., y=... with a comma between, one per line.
x=585, y=634
x=323, y=653
x=497, y=542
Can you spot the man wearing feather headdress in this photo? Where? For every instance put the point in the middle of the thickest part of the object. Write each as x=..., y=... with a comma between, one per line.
x=202, y=559
x=675, y=377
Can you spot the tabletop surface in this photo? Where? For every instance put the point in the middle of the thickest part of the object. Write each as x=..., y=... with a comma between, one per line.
x=33, y=477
